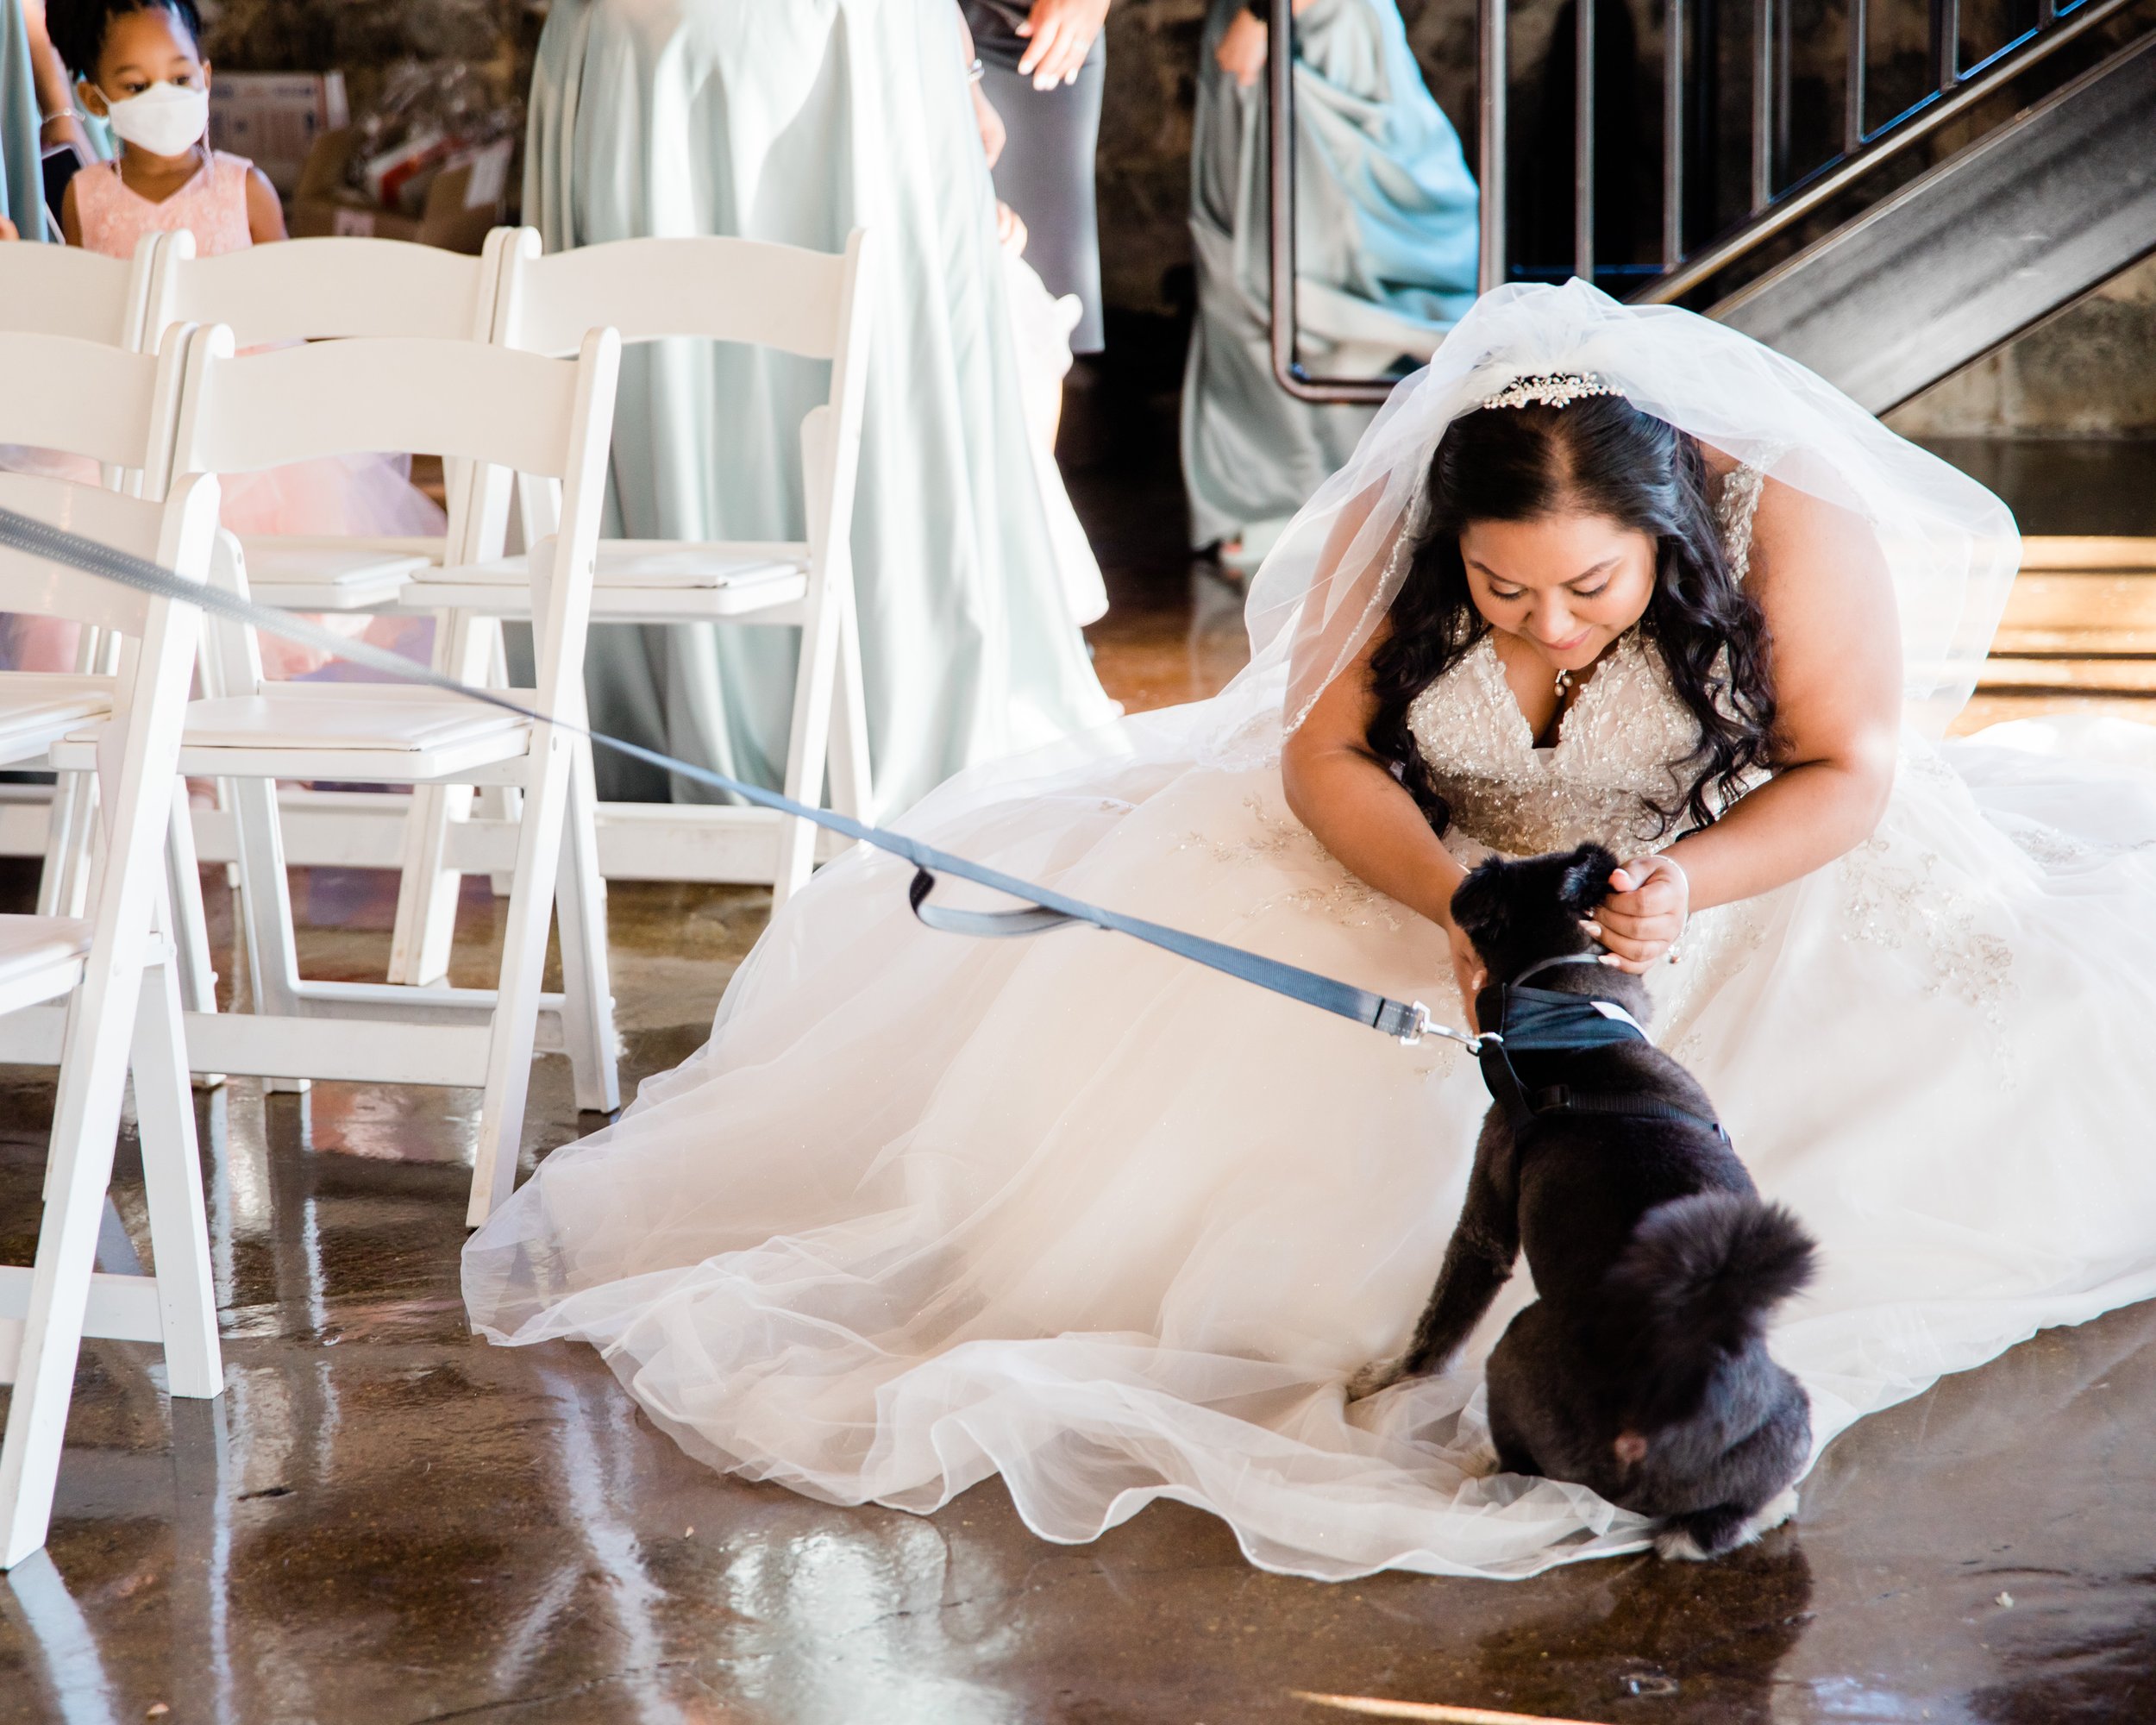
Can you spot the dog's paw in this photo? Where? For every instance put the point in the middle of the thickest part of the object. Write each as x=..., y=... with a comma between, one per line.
x=1681, y=1541
x=1379, y=1374
x=1770, y=1514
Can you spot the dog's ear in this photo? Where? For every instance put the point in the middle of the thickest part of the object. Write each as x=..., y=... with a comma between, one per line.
x=1478, y=903
x=1585, y=882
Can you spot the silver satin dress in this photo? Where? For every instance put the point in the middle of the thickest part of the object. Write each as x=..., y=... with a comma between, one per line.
x=794, y=123
x=1385, y=256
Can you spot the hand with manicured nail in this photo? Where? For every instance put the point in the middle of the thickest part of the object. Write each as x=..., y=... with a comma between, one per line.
x=1649, y=901
x=1059, y=36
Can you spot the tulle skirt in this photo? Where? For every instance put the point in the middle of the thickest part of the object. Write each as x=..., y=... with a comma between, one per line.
x=340, y=496
x=1075, y=1212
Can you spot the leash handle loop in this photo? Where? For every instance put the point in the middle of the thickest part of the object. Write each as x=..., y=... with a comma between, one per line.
x=982, y=924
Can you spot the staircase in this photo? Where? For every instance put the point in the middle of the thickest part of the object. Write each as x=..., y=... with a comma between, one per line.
x=2079, y=635
x=2000, y=234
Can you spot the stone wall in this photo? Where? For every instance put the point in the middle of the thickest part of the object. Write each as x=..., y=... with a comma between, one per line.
x=1145, y=158
x=2089, y=372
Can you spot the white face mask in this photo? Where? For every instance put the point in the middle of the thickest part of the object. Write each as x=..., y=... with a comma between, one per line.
x=165, y=119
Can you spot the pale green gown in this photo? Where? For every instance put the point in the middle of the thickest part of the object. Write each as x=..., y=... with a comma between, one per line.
x=793, y=121
x=1385, y=256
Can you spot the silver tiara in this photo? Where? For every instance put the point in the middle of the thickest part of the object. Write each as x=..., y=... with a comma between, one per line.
x=1552, y=389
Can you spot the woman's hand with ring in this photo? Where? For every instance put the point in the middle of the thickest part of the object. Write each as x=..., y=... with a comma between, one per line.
x=1649, y=902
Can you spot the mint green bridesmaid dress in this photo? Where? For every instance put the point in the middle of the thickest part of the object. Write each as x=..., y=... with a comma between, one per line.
x=795, y=121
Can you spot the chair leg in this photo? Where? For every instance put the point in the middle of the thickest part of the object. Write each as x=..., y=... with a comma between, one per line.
x=86, y=1123
x=190, y=924
x=266, y=898
x=499, y=802
x=587, y=999
x=70, y=832
x=66, y=832
x=72, y=856
x=266, y=909
x=427, y=887
x=852, y=785
x=172, y=1178
x=523, y=960
x=809, y=739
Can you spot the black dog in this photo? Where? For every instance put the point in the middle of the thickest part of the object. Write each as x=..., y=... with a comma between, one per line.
x=1641, y=1371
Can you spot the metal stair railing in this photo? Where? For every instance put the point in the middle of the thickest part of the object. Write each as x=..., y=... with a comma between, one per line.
x=1955, y=90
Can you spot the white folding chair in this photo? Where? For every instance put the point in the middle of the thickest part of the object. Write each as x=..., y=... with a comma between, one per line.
x=66, y=290
x=320, y=289
x=309, y=290
x=510, y=412
x=55, y=290
x=88, y=398
x=97, y=997
x=814, y=303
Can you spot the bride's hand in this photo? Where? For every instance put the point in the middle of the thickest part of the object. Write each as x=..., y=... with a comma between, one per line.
x=1649, y=901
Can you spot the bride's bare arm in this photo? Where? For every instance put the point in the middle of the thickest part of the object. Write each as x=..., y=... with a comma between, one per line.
x=1835, y=653
x=1361, y=814
x=1350, y=798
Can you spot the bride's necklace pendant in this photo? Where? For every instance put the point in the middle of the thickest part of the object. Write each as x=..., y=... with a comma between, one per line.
x=1564, y=683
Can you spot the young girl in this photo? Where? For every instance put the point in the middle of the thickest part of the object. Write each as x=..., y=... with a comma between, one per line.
x=139, y=67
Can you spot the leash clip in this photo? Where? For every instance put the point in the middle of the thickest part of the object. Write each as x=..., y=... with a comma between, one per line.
x=1425, y=1026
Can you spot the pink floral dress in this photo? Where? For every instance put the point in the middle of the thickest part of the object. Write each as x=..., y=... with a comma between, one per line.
x=212, y=206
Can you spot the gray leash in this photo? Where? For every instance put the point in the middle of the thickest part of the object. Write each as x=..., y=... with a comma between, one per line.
x=1408, y=1021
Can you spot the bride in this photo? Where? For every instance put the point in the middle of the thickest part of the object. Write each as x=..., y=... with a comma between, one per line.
x=1117, y=1227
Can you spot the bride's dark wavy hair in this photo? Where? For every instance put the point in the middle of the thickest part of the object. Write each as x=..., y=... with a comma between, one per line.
x=1601, y=456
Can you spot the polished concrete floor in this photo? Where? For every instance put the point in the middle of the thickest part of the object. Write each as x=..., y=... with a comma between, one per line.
x=385, y=1520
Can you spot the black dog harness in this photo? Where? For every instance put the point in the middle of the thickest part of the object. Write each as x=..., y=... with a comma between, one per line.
x=1548, y=1022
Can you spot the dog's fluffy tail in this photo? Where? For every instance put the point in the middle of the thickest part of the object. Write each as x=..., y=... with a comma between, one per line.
x=1695, y=1285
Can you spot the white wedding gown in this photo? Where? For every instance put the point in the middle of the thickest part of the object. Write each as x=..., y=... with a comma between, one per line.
x=1070, y=1210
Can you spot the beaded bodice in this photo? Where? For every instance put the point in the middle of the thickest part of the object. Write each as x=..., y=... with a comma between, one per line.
x=1622, y=747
